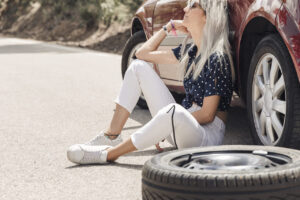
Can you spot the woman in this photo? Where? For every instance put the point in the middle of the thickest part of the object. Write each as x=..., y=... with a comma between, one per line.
x=207, y=73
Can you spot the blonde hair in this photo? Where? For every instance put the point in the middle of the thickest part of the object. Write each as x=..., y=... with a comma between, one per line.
x=215, y=38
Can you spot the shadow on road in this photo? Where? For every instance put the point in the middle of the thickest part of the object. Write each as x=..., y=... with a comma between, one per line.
x=85, y=166
x=237, y=126
x=150, y=152
x=132, y=127
x=115, y=164
x=127, y=166
x=141, y=116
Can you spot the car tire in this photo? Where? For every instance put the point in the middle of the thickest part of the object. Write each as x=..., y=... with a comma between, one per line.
x=231, y=172
x=273, y=95
x=128, y=55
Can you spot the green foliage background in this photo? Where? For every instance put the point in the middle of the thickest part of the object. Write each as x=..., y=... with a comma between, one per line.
x=93, y=11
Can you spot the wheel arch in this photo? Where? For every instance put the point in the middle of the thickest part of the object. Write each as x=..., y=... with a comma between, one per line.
x=137, y=25
x=257, y=28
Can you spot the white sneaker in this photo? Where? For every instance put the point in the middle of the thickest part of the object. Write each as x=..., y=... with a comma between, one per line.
x=102, y=139
x=87, y=154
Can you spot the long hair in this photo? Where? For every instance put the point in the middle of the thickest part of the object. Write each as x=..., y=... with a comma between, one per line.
x=215, y=38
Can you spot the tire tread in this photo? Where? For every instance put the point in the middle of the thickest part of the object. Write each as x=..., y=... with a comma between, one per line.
x=164, y=184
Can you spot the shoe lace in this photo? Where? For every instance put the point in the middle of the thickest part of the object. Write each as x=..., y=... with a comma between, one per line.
x=91, y=156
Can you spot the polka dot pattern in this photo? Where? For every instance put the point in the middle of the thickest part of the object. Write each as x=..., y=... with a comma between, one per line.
x=214, y=79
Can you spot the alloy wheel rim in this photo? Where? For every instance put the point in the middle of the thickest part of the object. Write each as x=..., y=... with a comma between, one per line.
x=231, y=161
x=269, y=100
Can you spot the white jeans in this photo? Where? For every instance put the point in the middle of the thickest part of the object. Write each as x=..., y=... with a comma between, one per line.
x=140, y=77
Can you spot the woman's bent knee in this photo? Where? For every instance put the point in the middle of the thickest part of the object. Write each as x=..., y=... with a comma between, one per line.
x=173, y=107
x=176, y=111
x=137, y=68
x=138, y=65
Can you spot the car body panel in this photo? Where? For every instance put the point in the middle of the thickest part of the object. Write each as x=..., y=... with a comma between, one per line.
x=145, y=15
x=248, y=11
x=162, y=15
x=280, y=13
x=238, y=11
x=288, y=22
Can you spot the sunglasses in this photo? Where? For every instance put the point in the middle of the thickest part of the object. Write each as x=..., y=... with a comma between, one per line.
x=194, y=4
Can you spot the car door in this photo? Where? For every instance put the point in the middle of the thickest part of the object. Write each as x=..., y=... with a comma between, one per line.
x=166, y=10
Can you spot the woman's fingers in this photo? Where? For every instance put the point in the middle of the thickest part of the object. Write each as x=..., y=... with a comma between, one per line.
x=183, y=30
x=178, y=25
x=159, y=148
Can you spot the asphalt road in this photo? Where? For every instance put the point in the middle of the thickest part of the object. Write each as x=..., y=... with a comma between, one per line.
x=52, y=97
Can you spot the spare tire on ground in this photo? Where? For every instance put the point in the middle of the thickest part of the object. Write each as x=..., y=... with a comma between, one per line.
x=231, y=172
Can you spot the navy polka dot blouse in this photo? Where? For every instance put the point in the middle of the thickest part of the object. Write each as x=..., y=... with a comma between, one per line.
x=214, y=79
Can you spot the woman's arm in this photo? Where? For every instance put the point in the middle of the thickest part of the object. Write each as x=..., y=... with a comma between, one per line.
x=149, y=52
x=208, y=111
x=217, y=84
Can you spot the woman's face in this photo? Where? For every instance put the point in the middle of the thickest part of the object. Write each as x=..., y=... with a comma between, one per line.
x=194, y=15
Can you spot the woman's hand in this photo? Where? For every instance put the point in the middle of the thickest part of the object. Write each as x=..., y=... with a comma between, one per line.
x=148, y=51
x=178, y=25
x=159, y=149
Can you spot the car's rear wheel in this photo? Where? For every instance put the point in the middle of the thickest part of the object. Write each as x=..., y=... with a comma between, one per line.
x=273, y=95
x=131, y=46
x=232, y=172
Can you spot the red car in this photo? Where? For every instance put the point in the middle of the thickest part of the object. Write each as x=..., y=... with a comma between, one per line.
x=265, y=40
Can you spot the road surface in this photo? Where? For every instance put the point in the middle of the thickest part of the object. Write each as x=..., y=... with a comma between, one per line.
x=52, y=97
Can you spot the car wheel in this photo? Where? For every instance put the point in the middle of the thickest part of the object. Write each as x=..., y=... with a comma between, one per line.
x=273, y=95
x=131, y=46
x=231, y=172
